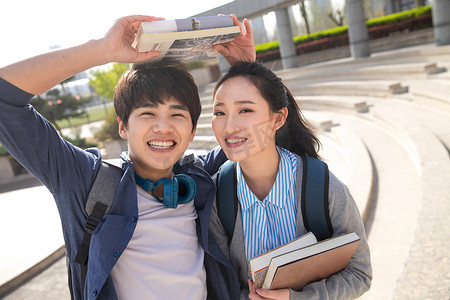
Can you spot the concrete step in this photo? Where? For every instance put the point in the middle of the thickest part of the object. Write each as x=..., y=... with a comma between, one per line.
x=203, y=142
x=429, y=207
x=332, y=103
x=347, y=157
x=396, y=71
x=389, y=224
x=205, y=118
x=206, y=100
x=434, y=92
x=436, y=121
x=379, y=88
x=420, y=70
x=428, y=53
x=206, y=127
x=207, y=108
x=207, y=90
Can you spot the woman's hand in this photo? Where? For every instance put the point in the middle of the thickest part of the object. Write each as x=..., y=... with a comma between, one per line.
x=242, y=48
x=261, y=294
x=120, y=37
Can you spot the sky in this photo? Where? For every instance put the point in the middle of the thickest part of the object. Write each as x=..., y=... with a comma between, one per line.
x=28, y=28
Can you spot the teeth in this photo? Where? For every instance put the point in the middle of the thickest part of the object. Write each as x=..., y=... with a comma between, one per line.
x=233, y=141
x=161, y=145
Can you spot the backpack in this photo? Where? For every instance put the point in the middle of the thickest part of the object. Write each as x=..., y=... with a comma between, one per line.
x=314, y=198
x=99, y=202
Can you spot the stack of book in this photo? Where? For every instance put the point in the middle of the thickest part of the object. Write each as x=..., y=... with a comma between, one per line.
x=303, y=261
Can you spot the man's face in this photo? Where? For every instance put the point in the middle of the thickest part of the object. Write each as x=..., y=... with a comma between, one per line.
x=158, y=135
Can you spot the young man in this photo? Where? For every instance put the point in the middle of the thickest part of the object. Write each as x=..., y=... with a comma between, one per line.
x=141, y=250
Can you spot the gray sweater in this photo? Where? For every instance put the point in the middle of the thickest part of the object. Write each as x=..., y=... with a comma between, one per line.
x=350, y=283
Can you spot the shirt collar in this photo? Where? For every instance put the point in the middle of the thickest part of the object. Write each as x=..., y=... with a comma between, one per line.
x=279, y=194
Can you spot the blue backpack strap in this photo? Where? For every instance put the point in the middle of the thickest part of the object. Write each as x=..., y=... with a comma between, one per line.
x=314, y=202
x=227, y=192
x=314, y=198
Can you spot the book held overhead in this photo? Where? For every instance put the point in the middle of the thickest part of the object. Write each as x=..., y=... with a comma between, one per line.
x=185, y=40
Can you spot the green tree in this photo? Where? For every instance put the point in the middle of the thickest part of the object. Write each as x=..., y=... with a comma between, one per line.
x=55, y=107
x=110, y=129
x=104, y=81
x=304, y=16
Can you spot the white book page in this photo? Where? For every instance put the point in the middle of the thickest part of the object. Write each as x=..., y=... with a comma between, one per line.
x=159, y=26
x=262, y=262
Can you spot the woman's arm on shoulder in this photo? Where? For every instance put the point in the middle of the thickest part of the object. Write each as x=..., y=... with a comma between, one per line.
x=213, y=160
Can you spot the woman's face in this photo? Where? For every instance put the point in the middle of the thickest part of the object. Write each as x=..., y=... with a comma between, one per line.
x=243, y=122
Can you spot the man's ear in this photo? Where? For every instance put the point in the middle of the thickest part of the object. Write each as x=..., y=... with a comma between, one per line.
x=193, y=133
x=122, y=129
x=281, y=118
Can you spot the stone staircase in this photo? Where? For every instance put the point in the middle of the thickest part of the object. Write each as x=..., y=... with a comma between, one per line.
x=384, y=125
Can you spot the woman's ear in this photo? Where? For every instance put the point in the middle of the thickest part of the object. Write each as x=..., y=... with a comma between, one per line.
x=122, y=129
x=281, y=118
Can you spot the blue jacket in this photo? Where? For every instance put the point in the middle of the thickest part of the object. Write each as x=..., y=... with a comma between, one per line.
x=69, y=172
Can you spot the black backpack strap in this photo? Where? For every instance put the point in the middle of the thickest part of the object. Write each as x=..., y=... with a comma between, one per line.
x=314, y=201
x=98, y=204
x=227, y=190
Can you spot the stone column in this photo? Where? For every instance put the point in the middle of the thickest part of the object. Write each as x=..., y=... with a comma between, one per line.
x=259, y=30
x=441, y=21
x=357, y=29
x=389, y=8
x=287, y=47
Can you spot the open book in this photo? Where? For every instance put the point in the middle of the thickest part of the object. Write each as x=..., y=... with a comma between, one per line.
x=297, y=268
x=185, y=40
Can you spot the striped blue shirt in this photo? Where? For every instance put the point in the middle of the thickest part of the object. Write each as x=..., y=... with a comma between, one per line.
x=269, y=223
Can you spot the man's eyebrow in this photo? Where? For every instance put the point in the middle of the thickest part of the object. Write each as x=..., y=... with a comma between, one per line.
x=153, y=105
x=179, y=106
x=147, y=104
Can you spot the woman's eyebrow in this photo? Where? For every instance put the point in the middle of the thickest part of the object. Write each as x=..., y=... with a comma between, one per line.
x=239, y=102
x=244, y=102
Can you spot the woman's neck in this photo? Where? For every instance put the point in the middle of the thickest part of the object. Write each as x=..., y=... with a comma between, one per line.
x=260, y=172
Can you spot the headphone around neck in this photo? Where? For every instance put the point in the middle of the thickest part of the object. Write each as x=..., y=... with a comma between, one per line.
x=179, y=189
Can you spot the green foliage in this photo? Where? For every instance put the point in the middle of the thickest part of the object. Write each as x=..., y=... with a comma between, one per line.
x=195, y=65
x=91, y=115
x=3, y=151
x=267, y=46
x=110, y=129
x=398, y=17
x=55, y=107
x=320, y=35
x=105, y=81
x=80, y=142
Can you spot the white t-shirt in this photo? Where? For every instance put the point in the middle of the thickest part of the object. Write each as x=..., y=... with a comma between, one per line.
x=163, y=259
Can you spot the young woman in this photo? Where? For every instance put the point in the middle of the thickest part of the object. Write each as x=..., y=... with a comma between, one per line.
x=258, y=124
